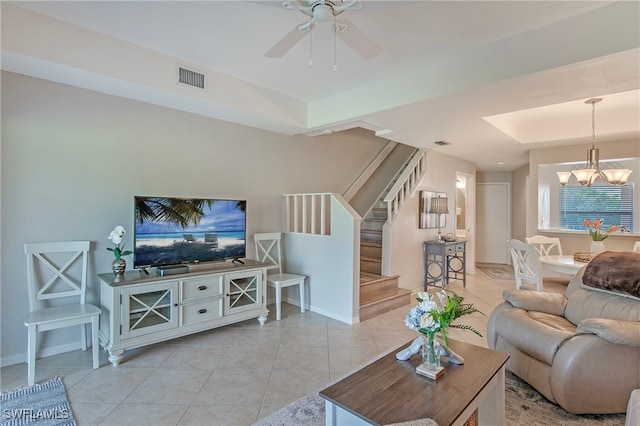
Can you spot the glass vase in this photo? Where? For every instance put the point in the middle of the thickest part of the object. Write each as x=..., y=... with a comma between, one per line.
x=430, y=350
x=118, y=266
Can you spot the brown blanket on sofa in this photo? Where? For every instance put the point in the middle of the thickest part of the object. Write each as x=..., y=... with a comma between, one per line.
x=617, y=272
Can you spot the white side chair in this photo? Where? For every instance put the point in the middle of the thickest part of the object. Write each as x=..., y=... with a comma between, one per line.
x=269, y=250
x=525, y=263
x=636, y=246
x=46, y=281
x=545, y=246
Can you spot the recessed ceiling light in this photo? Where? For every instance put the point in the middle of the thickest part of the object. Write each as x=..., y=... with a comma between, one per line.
x=500, y=163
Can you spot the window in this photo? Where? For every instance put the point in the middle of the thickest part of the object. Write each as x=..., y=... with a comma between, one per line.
x=612, y=204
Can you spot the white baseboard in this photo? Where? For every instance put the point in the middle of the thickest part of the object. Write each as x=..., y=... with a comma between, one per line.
x=42, y=353
x=332, y=315
x=323, y=312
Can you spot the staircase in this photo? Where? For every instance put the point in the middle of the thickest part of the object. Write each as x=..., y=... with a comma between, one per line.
x=379, y=196
x=378, y=293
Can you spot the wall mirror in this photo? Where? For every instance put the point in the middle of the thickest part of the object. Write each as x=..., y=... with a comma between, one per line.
x=461, y=205
x=433, y=209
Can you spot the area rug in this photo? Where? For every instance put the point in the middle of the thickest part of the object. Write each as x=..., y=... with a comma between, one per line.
x=43, y=404
x=497, y=271
x=523, y=406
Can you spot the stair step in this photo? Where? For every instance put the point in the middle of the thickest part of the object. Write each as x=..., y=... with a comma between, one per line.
x=372, y=224
x=370, y=249
x=370, y=235
x=371, y=265
x=392, y=300
x=373, y=286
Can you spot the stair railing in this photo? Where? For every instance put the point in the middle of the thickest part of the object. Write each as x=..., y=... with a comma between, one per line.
x=308, y=213
x=402, y=190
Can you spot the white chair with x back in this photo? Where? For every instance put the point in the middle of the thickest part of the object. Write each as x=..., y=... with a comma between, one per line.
x=269, y=250
x=525, y=263
x=545, y=246
x=47, y=282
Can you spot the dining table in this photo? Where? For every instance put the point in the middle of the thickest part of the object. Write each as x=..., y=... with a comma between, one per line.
x=565, y=263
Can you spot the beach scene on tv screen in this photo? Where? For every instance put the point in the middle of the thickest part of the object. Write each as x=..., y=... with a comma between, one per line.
x=176, y=230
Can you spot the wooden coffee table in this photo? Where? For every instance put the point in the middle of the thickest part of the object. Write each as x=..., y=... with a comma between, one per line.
x=390, y=391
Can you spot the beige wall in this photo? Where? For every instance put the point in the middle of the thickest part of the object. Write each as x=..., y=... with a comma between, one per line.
x=406, y=246
x=73, y=159
x=519, y=189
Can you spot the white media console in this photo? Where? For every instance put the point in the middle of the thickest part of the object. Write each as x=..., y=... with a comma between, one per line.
x=140, y=309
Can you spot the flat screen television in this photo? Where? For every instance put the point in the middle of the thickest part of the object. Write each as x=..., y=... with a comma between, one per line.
x=172, y=231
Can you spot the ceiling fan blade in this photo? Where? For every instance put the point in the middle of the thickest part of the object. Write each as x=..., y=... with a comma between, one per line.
x=358, y=41
x=287, y=42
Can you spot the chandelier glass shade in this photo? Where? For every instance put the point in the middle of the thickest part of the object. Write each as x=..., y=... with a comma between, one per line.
x=588, y=175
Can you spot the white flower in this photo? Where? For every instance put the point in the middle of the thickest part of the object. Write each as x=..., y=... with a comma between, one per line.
x=427, y=322
x=423, y=295
x=116, y=235
x=428, y=305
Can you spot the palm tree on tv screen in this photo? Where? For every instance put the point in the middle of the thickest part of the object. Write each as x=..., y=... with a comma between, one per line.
x=173, y=211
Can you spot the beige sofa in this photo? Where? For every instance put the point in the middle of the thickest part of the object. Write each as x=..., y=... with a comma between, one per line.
x=580, y=349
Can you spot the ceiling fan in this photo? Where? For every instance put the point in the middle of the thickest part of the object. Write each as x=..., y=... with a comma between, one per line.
x=326, y=11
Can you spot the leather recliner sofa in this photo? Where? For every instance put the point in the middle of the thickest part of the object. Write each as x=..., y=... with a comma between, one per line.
x=581, y=349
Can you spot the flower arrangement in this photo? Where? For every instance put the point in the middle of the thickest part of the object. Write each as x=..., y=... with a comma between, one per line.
x=595, y=229
x=430, y=317
x=116, y=238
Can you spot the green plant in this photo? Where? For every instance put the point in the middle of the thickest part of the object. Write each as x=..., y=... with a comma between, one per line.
x=431, y=316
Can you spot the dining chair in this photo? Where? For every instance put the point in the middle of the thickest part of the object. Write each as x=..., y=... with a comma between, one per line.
x=269, y=250
x=48, y=284
x=525, y=263
x=545, y=245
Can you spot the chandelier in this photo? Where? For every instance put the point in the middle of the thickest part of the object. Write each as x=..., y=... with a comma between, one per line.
x=588, y=175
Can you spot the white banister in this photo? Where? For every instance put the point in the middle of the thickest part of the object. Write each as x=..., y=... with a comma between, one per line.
x=308, y=213
x=401, y=191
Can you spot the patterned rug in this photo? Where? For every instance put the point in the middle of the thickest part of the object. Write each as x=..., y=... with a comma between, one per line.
x=497, y=271
x=43, y=404
x=523, y=406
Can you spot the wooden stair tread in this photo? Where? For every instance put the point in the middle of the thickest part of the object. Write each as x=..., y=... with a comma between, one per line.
x=375, y=244
x=392, y=294
x=367, y=278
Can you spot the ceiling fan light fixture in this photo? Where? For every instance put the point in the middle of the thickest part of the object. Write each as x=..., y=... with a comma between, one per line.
x=323, y=13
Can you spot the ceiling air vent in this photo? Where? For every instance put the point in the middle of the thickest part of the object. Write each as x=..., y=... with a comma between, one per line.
x=442, y=143
x=191, y=78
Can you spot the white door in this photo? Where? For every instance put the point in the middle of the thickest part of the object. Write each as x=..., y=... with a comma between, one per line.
x=492, y=222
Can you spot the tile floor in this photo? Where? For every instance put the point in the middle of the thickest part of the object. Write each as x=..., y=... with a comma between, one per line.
x=240, y=373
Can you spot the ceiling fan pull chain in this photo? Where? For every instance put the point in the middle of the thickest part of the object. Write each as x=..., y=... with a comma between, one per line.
x=335, y=37
x=310, y=43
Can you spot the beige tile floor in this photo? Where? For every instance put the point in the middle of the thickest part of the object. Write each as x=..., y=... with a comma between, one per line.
x=240, y=373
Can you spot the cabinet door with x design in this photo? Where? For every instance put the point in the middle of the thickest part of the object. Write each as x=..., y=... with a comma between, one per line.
x=149, y=308
x=243, y=291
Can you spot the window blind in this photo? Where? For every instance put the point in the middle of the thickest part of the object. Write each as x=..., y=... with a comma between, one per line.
x=612, y=204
